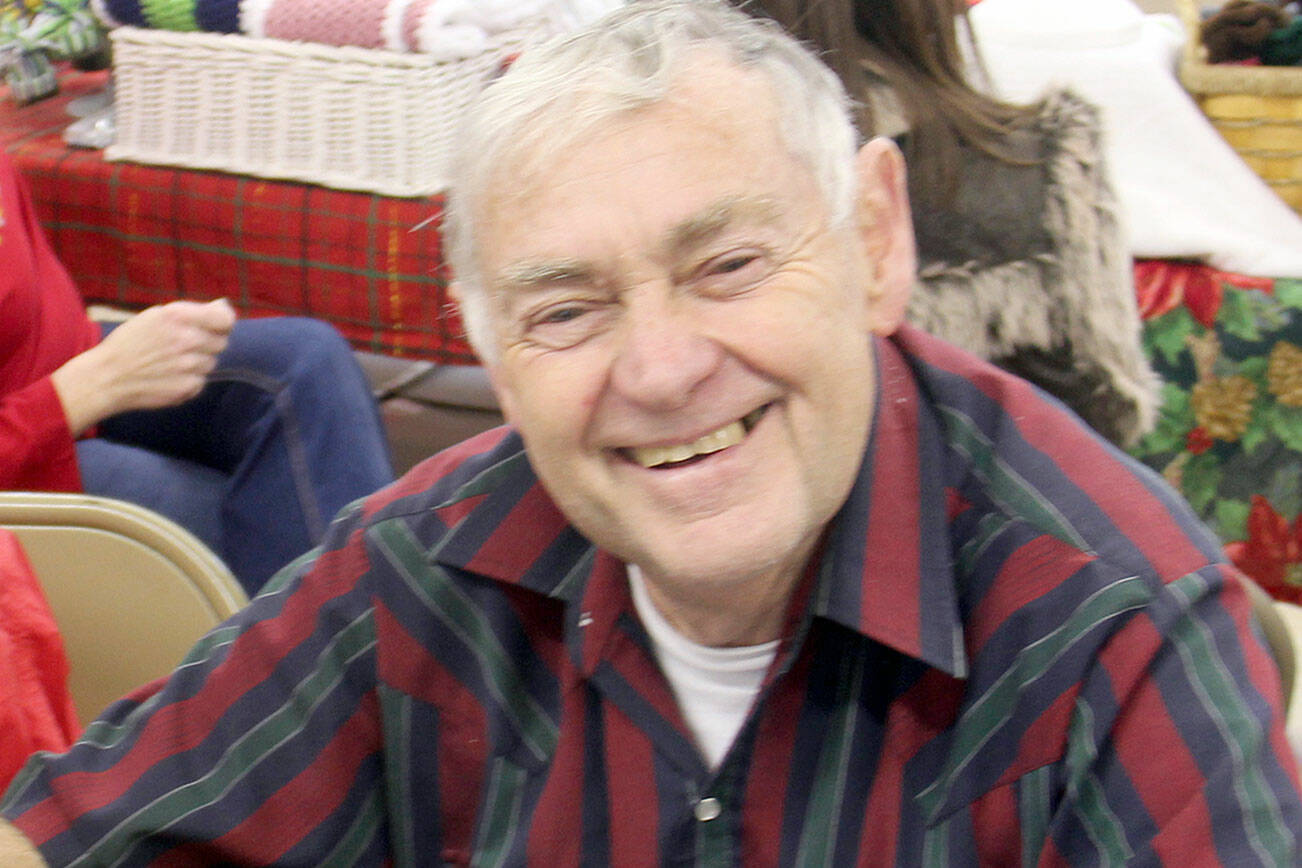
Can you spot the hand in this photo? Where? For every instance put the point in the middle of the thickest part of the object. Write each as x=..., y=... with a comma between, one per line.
x=15, y=850
x=157, y=358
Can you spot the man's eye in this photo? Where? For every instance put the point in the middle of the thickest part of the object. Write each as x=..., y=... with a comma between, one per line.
x=734, y=263
x=561, y=315
x=565, y=325
x=733, y=273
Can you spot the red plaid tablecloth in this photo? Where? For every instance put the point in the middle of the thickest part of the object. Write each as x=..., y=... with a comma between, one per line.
x=135, y=235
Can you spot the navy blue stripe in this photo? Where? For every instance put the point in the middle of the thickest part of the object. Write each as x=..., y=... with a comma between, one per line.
x=596, y=808
x=676, y=747
x=675, y=795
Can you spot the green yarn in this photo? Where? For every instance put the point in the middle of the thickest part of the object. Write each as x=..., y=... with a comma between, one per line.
x=170, y=14
x=1283, y=47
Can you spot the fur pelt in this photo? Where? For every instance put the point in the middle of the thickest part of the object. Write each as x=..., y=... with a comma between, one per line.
x=1028, y=268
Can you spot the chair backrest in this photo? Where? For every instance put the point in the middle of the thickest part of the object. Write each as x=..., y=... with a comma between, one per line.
x=130, y=590
x=1281, y=639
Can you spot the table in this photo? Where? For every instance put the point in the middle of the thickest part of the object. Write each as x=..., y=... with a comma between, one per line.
x=134, y=235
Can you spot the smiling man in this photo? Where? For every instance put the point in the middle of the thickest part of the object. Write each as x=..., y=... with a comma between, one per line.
x=757, y=576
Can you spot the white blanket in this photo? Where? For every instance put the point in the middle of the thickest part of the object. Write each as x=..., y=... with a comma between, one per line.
x=1184, y=191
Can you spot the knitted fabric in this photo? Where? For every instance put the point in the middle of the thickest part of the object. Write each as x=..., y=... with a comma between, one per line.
x=1283, y=47
x=447, y=30
x=330, y=22
x=217, y=16
x=116, y=13
x=411, y=19
x=170, y=14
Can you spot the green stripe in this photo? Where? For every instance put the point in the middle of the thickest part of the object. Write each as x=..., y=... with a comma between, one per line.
x=567, y=588
x=715, y=844
x=823, y=814
x=1091, y=807
x=935, y=846
x=396, y=712
x=170, y=14
x=358, y=837
x=460, y=615
x=1034, y=809
x=988, y=530
x=245, y=754
x=1222, y=700
x=1005, y=484
x=487, y=480
x=989, y=711
x=499, y=818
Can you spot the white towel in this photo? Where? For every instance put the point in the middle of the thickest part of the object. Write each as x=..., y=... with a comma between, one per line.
x=1184, y=191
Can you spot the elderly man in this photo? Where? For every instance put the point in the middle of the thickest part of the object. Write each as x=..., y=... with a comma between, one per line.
x=759, y=576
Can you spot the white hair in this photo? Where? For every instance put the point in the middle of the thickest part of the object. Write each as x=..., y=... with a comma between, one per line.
x=559, y=90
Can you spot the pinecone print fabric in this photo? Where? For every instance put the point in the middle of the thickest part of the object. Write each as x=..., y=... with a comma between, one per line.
x=1223, y=406
x=1230, y=433
x=1284, y=373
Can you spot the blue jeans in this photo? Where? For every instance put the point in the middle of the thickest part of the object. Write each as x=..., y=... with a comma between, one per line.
x=284, y=435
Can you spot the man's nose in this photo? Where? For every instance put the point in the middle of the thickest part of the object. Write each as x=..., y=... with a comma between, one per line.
x=663, y=354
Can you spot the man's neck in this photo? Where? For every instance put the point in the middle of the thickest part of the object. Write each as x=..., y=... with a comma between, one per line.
x=746, y=612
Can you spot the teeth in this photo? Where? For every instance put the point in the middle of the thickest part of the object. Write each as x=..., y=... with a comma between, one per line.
x=653, y=456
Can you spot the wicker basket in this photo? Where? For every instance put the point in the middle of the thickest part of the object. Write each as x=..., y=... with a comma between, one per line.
x=1258, y=109
x=344, y=117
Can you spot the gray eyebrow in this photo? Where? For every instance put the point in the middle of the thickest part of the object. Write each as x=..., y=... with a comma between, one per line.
x=701, y=227
x=534, y=274
x=691, y=232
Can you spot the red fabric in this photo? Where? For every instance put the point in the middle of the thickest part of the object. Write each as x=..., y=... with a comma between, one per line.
x=135, y=235
x=36, y=711
x=42, y=325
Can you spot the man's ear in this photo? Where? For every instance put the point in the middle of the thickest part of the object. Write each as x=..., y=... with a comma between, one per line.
x=885, y=224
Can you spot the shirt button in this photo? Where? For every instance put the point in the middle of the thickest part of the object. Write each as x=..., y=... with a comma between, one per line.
x=708, y=809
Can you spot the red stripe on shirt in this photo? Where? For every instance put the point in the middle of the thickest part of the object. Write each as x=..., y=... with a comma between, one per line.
x=507, y=552
x=1168, y=779
x=996, y=812
x=560, y=808
x=297, y=808
x=891, y=551
x=1031, y=571
x=1112, y=487
x=630, y=777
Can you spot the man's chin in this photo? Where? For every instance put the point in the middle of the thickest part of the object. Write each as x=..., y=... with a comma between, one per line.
x=709, y=561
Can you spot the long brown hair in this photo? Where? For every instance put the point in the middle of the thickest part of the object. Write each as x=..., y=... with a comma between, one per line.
x=914, y=47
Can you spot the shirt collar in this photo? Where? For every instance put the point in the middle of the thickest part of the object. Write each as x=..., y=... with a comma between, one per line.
x=886, y=570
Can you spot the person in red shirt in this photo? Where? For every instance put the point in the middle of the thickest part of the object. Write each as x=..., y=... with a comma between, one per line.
x=251, y=434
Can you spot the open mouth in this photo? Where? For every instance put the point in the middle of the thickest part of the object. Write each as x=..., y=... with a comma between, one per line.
x=680, y=454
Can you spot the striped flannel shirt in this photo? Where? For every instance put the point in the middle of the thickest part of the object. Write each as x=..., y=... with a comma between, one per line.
x=1015, y=647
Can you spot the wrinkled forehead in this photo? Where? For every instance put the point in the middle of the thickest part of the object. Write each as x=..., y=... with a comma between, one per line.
x=706, y=84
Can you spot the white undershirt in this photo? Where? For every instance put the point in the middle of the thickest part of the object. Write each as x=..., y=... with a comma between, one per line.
x=715, y=687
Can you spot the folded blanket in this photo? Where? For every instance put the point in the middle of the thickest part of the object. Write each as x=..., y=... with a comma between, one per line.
x=444, y=29
x=216, y=16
